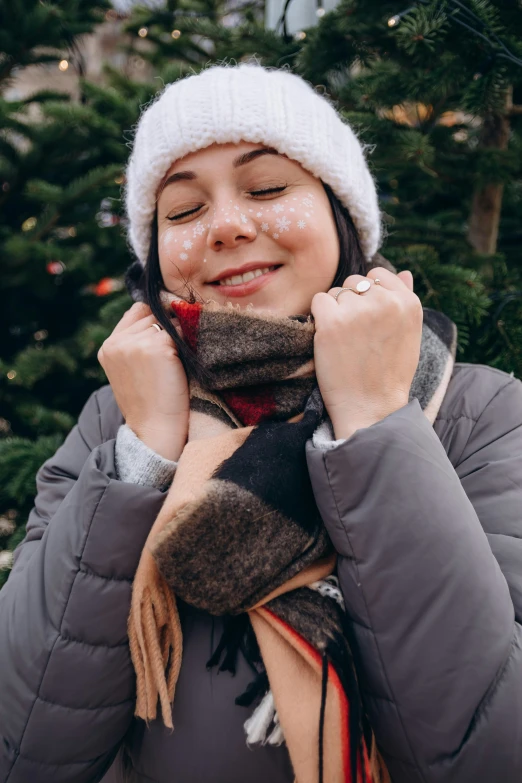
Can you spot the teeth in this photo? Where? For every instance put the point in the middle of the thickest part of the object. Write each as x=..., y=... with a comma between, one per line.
x=236, y=279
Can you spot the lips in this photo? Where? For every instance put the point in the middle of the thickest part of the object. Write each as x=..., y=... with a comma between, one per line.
x=241, y=270
x=248, y=288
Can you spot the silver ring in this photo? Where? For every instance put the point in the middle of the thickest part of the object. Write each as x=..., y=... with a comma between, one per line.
x=344, y=289
x=157, y=326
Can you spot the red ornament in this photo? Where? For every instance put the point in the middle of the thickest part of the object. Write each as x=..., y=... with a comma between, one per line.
x=107, y=285
x=55, y=267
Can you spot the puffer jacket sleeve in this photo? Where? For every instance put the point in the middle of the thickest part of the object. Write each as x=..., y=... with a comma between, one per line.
x=66, y=678
x=433, y=613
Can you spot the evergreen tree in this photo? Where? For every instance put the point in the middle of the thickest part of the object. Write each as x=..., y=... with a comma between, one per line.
x=437, y=89
x=61, y=163
x=434, y=89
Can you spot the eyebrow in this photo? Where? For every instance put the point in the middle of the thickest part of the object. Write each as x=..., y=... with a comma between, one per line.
x=241, y=160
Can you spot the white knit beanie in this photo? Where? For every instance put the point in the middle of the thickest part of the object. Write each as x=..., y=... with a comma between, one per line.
x=248, y=102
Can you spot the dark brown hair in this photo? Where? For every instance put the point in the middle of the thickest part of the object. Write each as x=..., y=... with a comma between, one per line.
x=148, y=284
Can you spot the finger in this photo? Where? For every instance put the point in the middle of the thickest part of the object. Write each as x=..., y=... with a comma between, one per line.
x=133, y=314
x=148, y=336
x=142, y=324
x=388, y=279
x=346, y=294
x=323, y=305
x=350, y=282
x=407, y=278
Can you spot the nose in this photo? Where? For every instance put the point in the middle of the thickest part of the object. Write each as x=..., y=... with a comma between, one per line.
x=230, y=228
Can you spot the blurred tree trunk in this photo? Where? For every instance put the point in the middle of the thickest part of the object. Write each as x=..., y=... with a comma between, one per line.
x=487, y=200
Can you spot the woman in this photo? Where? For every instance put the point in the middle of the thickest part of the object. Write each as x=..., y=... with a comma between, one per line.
x=380, y=462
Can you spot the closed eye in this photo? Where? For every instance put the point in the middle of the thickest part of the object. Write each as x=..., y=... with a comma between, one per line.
x=256, y=193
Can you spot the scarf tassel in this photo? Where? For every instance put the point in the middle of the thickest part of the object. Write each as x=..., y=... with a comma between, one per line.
x=257, y=726
x=156, y=645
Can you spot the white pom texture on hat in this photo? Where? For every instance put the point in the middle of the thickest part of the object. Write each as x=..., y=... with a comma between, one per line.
x=247, y=102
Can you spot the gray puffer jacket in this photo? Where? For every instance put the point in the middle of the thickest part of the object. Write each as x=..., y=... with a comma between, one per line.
x=427, y=522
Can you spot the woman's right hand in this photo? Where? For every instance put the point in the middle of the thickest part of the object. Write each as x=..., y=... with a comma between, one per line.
x=149, y=381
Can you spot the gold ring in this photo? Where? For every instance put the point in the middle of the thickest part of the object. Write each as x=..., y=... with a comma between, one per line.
x=363, y=285
x=157, y=326
x=344, y=289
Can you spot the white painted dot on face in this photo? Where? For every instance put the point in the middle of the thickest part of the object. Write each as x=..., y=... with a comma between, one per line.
x=292, y=209
x=301, y=224
x=227, y=220
x=264, y=226
x=277, y=208
x=276, y=236
x=187, y=244
x=307, y=214
x=250, y=210
x=244, y=218
x=258, y=214
x=183, y=256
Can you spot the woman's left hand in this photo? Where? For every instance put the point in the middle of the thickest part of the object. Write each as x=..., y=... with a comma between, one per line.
x=366, y=348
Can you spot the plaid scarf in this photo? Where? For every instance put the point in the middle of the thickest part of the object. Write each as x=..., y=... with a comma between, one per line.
x=240, y=536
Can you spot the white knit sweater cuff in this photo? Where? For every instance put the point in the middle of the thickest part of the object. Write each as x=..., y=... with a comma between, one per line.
x=136, y=463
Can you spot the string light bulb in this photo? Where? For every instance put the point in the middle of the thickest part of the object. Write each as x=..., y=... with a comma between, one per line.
x=29, y=224
x=394, y=20
x=300, y=36
x=63, y=65
x=176, y=34
x=143, y=32
x=320, y=11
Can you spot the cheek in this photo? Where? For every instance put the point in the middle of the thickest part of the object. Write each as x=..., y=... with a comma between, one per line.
x=292, y=221
x=180, y=248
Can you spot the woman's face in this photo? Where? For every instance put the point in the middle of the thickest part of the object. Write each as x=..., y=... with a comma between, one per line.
x=230, y=212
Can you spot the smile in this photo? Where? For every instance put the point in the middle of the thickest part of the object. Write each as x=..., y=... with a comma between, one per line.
x=247, y=283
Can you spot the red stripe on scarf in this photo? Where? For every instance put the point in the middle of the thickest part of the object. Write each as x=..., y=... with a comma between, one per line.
x=251, y=404
x=345, y=706
x=188, y=315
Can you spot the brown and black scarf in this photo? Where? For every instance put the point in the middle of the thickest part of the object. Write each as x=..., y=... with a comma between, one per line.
x=240, y=535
